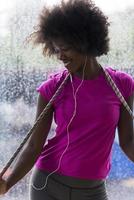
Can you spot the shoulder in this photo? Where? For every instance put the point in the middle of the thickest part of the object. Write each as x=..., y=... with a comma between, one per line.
x=120, y=76
x=58, y=76
x=49, y=86
x=123, y=80
x=54, y=78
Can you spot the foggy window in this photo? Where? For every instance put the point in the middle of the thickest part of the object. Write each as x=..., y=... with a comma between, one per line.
x=23, y=68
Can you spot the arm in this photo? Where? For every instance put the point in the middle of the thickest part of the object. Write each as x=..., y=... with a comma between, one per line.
x=125, y=130
x=33, y=148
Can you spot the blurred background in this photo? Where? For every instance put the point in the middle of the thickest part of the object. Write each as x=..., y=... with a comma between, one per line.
x=23, y=68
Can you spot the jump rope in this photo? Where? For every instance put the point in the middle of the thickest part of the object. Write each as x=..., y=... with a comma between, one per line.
x=44, y=112
x=74, y=114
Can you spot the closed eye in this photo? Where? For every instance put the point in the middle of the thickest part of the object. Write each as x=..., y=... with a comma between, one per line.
x=58, y=50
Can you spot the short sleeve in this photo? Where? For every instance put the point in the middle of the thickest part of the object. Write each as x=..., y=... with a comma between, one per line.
x=127, y=83
x=48, y=88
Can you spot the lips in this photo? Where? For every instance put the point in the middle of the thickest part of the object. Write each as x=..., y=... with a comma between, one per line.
x=67, y=64
x=66, y=61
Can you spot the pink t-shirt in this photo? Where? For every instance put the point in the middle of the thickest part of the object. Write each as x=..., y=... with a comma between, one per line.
x=92, y=130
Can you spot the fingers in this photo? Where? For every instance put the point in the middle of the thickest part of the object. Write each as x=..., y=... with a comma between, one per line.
x=3, y=186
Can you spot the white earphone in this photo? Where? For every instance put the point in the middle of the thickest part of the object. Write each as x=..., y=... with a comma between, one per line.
x=74, y=113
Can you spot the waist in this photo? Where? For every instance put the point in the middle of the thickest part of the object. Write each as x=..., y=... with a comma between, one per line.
x=73, y=181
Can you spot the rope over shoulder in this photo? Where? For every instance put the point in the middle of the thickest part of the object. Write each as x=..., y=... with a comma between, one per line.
x=35, y=126
x=118, y=93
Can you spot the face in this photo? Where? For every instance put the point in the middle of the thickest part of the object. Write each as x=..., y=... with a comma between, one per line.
x=72, y=59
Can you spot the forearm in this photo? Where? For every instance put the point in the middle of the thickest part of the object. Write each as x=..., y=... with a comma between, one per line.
x=33, y=147
x=129, y=150
x=29, y=155
x=22, y=166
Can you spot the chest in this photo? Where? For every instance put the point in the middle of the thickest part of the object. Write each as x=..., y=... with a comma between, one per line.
x=91, y=103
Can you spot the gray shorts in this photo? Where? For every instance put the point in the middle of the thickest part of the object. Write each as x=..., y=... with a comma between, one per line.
x=61, y=187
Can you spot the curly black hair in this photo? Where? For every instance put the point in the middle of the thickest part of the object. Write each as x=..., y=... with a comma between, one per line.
x=79, y=23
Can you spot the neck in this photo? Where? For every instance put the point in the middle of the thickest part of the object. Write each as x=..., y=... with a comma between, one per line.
x=92, y=69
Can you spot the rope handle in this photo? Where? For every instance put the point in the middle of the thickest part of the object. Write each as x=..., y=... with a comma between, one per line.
x=117, y=92
x=35, y=126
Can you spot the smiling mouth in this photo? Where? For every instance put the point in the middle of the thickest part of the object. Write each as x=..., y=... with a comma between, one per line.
x=66, y=62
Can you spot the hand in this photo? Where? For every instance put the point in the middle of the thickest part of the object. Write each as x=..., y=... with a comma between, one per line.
x=3, y=186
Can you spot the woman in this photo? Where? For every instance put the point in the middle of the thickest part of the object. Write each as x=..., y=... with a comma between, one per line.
x=75, y=163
